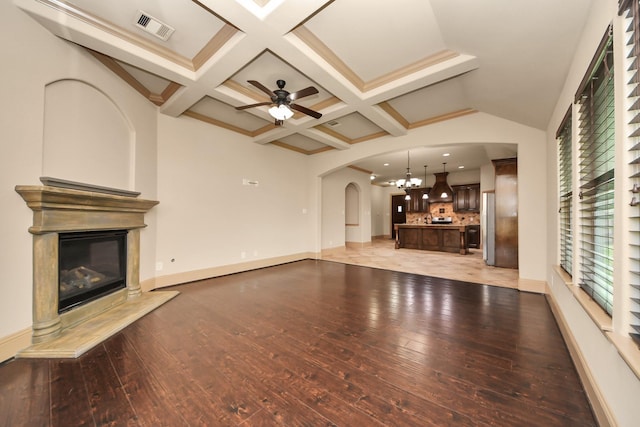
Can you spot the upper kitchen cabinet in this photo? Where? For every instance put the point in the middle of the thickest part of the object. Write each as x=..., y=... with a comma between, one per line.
x=417, y=203
x=466, y=198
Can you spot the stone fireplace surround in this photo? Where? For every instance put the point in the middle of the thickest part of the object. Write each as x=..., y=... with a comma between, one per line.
x=82, y=207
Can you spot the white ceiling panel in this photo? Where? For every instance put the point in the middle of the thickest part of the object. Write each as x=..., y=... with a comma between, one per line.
x=353, y=126
x=395, y=35
x=302, y=142
x=210, y=107
x=431, y=101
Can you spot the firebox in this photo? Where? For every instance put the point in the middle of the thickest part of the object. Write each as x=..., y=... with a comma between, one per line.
x=90, y=265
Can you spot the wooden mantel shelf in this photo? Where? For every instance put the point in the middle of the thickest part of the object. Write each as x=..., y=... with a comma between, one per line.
x=61, y=209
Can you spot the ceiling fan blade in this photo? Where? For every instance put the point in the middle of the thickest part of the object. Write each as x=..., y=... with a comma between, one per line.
x=302, y=93
x=305, y=110
x=259, y=104
x=262, y=87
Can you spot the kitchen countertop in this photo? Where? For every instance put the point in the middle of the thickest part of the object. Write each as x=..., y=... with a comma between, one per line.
x=430, y=225
x=432, y=237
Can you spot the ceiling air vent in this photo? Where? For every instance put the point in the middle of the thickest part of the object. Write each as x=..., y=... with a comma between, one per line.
x=333, y=123
x=153, y=26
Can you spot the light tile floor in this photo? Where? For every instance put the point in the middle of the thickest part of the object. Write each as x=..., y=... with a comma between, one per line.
x=469, y=268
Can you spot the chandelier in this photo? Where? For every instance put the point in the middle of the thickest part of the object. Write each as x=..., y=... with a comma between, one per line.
x=408, y=182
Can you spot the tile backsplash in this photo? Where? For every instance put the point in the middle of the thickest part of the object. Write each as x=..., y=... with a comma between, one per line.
x=444, y=209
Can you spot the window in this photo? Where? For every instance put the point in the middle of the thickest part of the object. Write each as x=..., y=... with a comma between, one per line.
x=595, y=99
x=566, y=192
x=631, y=8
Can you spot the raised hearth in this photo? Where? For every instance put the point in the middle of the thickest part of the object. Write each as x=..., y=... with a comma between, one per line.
x=59, y=210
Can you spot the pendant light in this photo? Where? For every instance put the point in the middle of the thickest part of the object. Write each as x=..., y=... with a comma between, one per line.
x=425, y=195
x=444, y=194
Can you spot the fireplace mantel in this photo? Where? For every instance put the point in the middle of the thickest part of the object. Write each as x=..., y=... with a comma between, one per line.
x=62, y=210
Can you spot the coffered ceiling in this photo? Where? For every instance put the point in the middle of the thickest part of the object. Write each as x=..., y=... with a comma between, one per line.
x=380, y=67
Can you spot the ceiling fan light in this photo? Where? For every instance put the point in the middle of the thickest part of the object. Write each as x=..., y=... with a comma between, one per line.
x=280, y=112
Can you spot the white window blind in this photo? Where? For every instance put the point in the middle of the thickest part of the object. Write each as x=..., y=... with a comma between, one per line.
x=630, y=10
x=566, y=193
x=596, y=168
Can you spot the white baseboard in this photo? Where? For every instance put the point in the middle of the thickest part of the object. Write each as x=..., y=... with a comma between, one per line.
x=335, y=250
x=382, y=236
x=601, y=410
x=207, y=273
x=529, y=285
x=12, y=344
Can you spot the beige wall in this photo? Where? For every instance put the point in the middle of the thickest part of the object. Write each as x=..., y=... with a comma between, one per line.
x=616, y=383
x=32, y=59
x=207, y=217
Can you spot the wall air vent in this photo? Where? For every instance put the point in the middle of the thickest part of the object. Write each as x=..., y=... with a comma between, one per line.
x=153, y=26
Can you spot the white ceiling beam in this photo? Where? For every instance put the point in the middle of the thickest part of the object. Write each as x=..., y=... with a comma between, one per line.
x=445, y=70
x=383, y=120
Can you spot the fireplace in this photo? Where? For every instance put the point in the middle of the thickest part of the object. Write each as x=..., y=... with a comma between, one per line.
x=90, y=265
x=86, y=264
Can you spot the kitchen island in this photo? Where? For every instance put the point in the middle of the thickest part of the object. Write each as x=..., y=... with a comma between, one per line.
x=432, y=237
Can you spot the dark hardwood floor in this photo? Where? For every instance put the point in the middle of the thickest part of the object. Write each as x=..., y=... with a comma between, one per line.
x=315, y=343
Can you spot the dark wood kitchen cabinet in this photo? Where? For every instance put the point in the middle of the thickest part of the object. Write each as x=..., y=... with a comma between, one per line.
x=466, y=198
x=473, y=236
x=417, y=203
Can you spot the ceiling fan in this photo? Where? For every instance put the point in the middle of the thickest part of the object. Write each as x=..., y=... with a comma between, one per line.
x=283, y=101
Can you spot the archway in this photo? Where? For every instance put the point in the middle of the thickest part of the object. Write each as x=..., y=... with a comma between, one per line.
x=352, y=232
